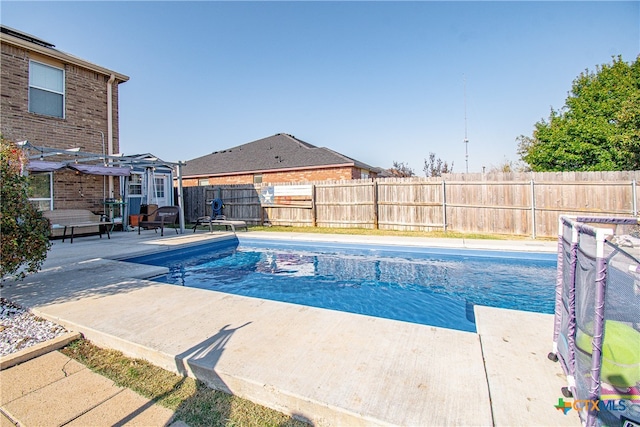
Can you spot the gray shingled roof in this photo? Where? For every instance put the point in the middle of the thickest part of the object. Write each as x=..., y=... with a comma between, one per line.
x=280, y=151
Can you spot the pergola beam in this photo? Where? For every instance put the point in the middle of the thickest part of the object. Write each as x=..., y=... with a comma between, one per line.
x=78, y=156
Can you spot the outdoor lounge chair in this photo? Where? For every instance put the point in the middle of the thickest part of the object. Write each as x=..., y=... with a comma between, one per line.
x=165, y=215
x=220, y=220
x=217, y=219
x=233, y=224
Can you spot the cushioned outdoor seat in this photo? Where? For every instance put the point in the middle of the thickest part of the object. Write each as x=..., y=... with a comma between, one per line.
x=161, y=217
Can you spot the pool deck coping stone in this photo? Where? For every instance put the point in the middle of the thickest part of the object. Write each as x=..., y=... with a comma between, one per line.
x=403, y=374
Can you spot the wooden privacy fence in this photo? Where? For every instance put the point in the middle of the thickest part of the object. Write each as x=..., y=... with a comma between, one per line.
x=526, y=204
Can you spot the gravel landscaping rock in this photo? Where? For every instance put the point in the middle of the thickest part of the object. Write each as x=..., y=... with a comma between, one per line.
x=20, y=329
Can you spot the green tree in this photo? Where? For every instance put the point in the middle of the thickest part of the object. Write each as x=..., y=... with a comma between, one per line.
x=598, y=129
x=24, y=230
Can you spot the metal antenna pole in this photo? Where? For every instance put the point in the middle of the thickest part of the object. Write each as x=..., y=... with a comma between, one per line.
x=466, y=141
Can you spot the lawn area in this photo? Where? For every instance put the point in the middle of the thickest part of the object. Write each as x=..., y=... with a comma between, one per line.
x=372, y=232
x=193, y=402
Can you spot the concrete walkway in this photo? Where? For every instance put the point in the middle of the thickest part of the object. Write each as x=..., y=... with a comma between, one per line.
x=54, y=390
x=327, y=367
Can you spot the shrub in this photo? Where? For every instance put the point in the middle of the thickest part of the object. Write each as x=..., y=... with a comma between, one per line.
x=24, y=231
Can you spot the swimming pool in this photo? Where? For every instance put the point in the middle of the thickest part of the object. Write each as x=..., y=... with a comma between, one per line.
x=431, y=286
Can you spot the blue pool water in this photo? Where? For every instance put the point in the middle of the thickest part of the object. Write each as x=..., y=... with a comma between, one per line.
x=437, y=287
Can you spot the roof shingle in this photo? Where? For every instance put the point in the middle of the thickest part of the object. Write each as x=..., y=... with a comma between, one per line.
x=280, y=151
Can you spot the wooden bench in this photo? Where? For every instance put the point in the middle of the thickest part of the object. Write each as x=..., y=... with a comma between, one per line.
x=77, y=221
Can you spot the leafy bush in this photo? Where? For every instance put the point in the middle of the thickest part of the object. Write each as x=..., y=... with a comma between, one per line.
x=24, y=231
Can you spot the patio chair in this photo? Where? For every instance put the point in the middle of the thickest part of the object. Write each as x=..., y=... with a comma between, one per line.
x=159, y=218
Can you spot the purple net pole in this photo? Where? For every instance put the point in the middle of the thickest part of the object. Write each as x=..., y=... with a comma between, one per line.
x=571, y=332
x=598, y=325
x=608, y=220
x=557, y=319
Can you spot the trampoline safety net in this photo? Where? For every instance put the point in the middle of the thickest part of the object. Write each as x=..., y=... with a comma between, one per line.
x=597, y=317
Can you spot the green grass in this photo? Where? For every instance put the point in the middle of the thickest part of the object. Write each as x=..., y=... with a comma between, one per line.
x=372, y=232
x=193, y=402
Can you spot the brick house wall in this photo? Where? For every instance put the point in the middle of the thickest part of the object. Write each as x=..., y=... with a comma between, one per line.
x=84, y=126
x=305, y=175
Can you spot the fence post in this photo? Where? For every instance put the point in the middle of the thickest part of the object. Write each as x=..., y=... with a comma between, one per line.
x=533, y=209
x=202, y=204
x=314, y=214
x=180, y=197
x=444, y=206
x=634, y=189
x=375, y=205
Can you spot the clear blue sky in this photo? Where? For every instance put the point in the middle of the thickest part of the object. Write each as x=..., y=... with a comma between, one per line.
x=376, y=81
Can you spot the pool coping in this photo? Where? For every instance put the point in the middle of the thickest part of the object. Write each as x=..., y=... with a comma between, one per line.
x=462, y=243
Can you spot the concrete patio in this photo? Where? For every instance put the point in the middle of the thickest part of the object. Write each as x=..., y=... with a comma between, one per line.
x=327, y=367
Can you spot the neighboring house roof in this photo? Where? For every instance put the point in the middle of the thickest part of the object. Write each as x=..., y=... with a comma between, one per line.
x=27, y=41
x=384, y=173
x=277, y=152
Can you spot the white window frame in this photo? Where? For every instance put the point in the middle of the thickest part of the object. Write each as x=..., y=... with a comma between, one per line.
x=159, y=187
x=38, y=200
x=137, y=184
x=64, y=97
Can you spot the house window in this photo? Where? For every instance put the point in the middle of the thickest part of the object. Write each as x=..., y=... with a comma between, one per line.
x=41, y=190
x=203, y=181
x=364, y=174
x=159, y=187
x=257, y=178
x=135, y=185
x=46, y=90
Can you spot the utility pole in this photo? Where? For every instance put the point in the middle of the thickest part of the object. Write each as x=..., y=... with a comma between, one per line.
x=466, y=140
